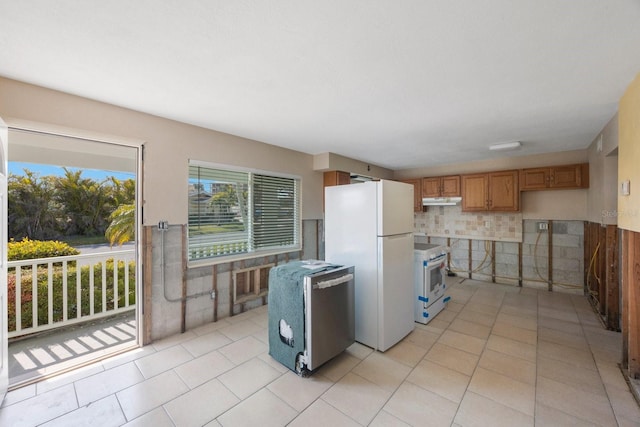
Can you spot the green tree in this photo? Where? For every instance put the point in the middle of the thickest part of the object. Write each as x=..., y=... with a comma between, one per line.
x=226, y=200
x=52, y=206
x=33, y=210
x=120, y=192
x=85, y=203
x=123, y=225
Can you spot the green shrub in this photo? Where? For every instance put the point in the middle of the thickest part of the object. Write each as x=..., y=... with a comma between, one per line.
x=33, y=249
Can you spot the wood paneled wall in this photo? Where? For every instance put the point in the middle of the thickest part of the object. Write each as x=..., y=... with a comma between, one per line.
x=602, y=278
x=631, y=303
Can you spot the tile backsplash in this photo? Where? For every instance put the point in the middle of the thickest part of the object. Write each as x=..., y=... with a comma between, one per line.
x=450, y=221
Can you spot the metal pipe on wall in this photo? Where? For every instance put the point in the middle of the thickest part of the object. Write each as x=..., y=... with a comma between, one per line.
x=183, y=325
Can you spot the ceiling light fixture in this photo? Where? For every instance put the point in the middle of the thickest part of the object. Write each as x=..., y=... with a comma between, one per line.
x=505, y=146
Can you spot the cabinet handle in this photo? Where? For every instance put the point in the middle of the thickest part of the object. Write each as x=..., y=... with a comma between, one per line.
x=553, y=179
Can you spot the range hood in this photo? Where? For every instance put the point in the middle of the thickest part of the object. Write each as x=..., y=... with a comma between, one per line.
x=441, y=201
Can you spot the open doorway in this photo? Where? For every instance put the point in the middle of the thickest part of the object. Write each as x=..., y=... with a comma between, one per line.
x=73, y=264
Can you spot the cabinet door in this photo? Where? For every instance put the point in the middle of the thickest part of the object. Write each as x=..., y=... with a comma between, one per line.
x=332, y=178
x=504, y=194
x=534, y=179
x=431, y=187
x=566, y=176
x=474, y=192
x=417, y=193
x=451, y=186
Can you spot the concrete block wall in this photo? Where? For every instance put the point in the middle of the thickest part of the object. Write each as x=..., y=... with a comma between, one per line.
x=481, y=259
x=166, y=315
x=200, y=308
x=507, y=263
x=567, y=257
x=460, y=256
x=313, y=239
x=535, y=251
x=225, y=282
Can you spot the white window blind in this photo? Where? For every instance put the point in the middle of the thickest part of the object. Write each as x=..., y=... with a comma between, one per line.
x=275, y=216
x=237, y=212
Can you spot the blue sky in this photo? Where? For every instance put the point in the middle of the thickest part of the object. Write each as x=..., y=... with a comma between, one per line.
x=17, y=168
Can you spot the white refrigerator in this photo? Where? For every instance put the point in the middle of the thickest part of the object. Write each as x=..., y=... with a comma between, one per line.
x=370, y=226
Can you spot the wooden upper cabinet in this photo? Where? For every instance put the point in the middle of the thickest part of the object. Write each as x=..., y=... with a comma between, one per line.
x=441, y=186
x=417, y=193
x=493, y=191
x=534, y=179
x=332, y=178
x=451, y=186
x=571, y=176
x=431, y=187
x=475, y=196
x=555, y=177
x=504, y=193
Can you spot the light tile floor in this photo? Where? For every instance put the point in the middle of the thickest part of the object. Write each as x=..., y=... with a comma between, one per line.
x=497, y=356
x=62, y=349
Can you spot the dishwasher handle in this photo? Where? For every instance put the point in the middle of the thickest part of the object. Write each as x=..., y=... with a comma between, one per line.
x=333, y=282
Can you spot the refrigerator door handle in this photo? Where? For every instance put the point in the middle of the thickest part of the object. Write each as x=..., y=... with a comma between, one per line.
x=333, y=282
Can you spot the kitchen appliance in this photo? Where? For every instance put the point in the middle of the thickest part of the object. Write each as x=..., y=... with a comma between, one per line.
x=430, y=286
x=441, y=201
x=311, y=313
x=370, y=226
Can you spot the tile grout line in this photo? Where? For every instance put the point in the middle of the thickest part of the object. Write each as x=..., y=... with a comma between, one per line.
x=466, y=390
x=613, y=411
x=483, y=351
x=580, y=323
x=485, y=348
x=535, y=393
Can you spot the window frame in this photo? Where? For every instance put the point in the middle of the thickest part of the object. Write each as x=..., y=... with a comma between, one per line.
x=296, y=246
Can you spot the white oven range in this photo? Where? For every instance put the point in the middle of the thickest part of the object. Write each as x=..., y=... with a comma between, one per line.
x=430, y=286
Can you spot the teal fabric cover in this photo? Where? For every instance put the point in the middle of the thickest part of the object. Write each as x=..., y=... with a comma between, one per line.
x=286, y=311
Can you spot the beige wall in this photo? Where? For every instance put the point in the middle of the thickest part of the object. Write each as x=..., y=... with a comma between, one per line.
x=603, y=172
x=629, y=156
x=555, y=205
x=168, y=147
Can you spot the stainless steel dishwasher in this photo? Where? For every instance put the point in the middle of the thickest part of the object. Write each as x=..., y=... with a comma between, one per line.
x=311, y=313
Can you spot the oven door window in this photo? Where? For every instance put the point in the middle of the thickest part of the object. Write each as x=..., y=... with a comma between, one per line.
x=435, y=279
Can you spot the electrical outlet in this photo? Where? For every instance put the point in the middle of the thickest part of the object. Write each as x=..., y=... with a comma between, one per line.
x=542, y=226
x=213, y=294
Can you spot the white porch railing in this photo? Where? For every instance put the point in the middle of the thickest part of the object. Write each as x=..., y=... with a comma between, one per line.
x=48, y=293
x=200, y=248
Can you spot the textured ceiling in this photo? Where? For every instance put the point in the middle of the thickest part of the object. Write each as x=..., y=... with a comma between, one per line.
x=399, y=84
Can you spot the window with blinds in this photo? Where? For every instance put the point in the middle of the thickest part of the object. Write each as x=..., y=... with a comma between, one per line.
x=236, y=212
